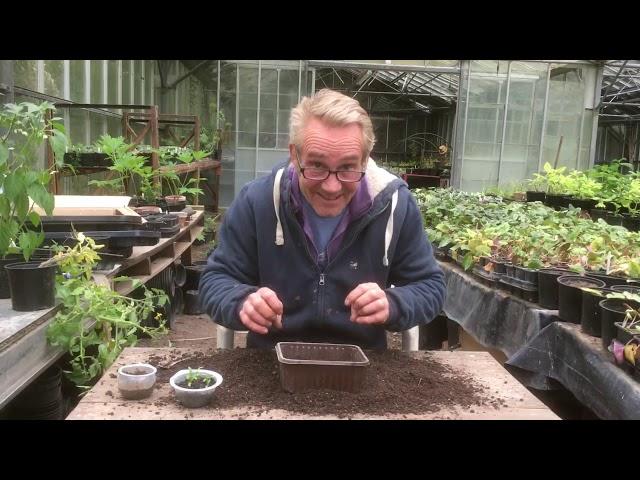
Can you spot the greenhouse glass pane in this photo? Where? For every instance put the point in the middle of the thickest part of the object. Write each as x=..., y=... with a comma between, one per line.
x=565, y=115
x=127, y=94
x=77, y=80
x=112, y=81
x=54, y=78
x=248, y=98
x=97, y=87
x=149, y=69
x=77, y=126
x=97, y=123
x=26, y=74
x=138, y=81
x=114, y=126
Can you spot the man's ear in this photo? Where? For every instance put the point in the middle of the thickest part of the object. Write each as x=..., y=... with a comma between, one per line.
x=292, y=153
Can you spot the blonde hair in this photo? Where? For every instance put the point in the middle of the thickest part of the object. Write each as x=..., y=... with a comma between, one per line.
x=335, y=109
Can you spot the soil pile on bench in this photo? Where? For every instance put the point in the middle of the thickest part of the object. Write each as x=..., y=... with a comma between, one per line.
x=396, y=383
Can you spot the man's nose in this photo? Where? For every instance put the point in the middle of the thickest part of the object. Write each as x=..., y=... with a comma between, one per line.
x=332, y=184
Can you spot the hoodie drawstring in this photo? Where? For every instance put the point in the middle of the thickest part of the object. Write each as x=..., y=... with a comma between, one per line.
x=388, y=234
x=276, y=205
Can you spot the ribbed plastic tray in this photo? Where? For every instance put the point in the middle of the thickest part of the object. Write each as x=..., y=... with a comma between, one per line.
x=305, y=366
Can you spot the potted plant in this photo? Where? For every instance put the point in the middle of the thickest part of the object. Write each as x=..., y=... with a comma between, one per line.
x=208, y=234
x=23, y=182
x=194, y=388
x=179, y=187
x=125, y=163
x=136, y=380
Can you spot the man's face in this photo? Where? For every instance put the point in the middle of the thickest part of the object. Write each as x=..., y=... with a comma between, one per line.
x=333, y=148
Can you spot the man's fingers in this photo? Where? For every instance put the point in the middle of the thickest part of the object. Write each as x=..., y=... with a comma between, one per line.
x=251, y=325
x=271, y=300
x=355, y=293
x=368, y=297
x=369, y=319
x=256, y=316
x=371, y=308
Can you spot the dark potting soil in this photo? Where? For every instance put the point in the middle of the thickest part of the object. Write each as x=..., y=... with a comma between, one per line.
x=581, y=284
x=396, y=383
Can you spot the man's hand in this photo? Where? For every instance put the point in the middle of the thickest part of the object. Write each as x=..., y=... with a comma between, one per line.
x=262, y=310
x=369, y=304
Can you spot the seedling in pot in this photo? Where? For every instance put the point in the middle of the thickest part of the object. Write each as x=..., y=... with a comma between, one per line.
x=196, y=379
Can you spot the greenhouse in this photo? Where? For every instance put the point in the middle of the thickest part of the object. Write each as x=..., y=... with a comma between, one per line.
x=319, y=239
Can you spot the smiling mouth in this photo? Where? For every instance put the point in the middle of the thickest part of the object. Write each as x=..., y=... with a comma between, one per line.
x=327, y=199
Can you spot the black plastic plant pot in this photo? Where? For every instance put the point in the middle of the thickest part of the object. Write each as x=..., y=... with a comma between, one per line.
x=535, y=196
x=613, y=219
x=548, y=287
x=609, y=280
x=5, y=292
x=180, y=274
x=570, y=296
x=613, y=310
x=41, y=282
x=596, y=213
x=42, y=399
x=498, y=266
x=193, y=276
x=530, y=275
x=177, y=302
x=510, y=270
x=520, y=272
x=624, y=335
x=590, y=321
x=584, y=204
x=626, y=288
x=192, y=304
x=631, y=223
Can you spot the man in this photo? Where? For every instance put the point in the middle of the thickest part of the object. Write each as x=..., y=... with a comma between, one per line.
x=329, y=247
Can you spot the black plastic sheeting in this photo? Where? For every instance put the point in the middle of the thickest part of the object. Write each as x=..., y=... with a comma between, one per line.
x=540, y=350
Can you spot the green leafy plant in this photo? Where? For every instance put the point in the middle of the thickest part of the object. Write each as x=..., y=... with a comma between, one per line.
x=184, y=185
x=96, y=323
x=193, y=376
x=22, y=179
x=129, y=166
x=556, y=179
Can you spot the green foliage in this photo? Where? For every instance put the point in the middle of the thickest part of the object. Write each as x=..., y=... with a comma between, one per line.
x=195, y=375
x=116, y=319
x=176, y=183
x=24, y=131
x=528, y=234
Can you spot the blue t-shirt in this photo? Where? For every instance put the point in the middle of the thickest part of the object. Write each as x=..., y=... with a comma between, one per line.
x=322, y=228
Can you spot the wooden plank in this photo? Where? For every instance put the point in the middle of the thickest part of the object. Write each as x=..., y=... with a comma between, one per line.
x=24, y=351
x=103, y=401
x=144, y=252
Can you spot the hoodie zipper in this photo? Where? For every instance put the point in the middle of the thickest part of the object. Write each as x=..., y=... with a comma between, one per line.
x=321, y=273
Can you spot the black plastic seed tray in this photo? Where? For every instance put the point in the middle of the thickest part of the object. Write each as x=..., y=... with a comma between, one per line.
x=305, y=366
x=92, y=223
x=490, y=279
x=525, y=290
x=116, y=239
x=166, y=219
x=169, y=231
x=107, y=261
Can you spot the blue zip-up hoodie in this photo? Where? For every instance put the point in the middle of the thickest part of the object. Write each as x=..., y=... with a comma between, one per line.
x=262, y=243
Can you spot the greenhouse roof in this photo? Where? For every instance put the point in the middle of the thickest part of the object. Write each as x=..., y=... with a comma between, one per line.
x=427, y=85
x=621, y=90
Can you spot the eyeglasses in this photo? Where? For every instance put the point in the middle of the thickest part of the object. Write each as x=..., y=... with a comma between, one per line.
x=318, y=174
